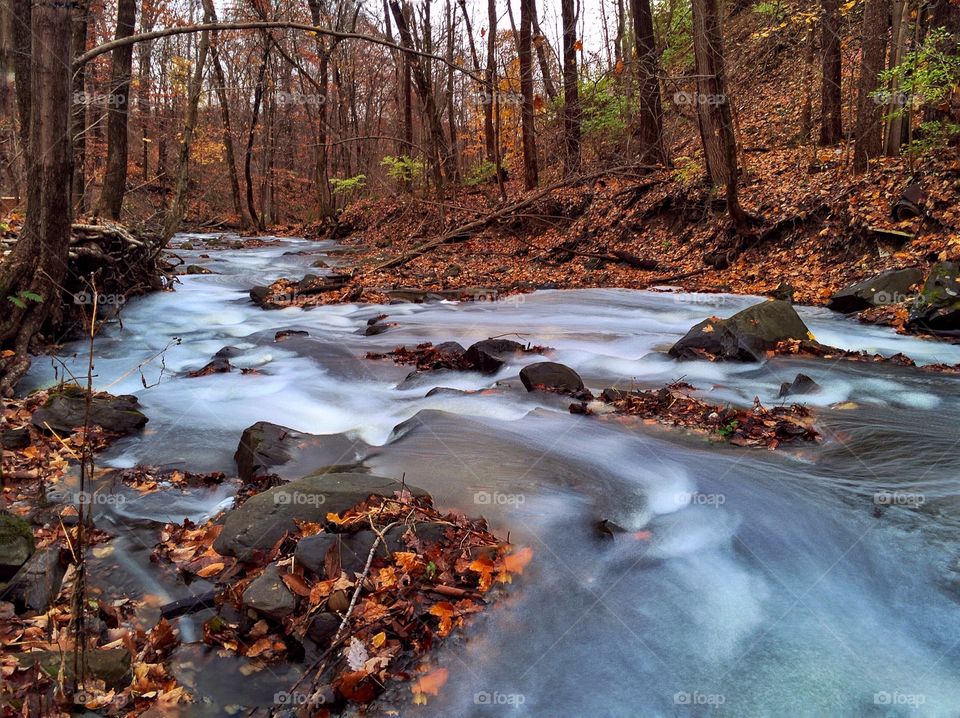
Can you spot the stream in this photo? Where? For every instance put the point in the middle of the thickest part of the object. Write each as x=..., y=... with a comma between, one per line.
x=814, y=580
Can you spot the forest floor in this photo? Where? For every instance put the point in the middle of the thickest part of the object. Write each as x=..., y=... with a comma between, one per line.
x=820, y=228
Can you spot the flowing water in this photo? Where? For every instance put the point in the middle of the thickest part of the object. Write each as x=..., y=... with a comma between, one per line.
x=818, y=580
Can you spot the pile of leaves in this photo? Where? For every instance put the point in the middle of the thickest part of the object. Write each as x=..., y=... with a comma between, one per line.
x=48, y=690
x=425, y=357
x=795, y=347
x=673, y=405
x=148, y=479
x=424, y=574
x=33, y=453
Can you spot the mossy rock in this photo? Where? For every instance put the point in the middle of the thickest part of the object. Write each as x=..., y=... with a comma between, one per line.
x=65, y=411
x=746, y=336
x=938, y=306
x=16, y=544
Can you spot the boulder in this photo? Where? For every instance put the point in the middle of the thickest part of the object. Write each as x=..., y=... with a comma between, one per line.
x=311, y=551
x=65, y=410
x=217, y=365
x=228, y=352
x=268, y=594
x=265, y=446
x=287, y=333
x=112, y=666
x=612, y=394
x=198, y=269
x=937, y=308
x=802, y=384
x=15, y=438
x=745, y=336
x=16, y=544
x=37, y=583
x=312, y=284
x=260, y=296
x=450, y=351
x=891, y=287
x=323, y=628
x=551, y=376
x=263, y=519
x=489, y=355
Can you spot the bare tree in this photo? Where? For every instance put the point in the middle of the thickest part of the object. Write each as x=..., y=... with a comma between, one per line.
x=868, y=141
x=649, y=130
x=713, y=106
x=530, y=170
x=571, y=89
x=115, y=180
x=31, y=276
x=831, y=119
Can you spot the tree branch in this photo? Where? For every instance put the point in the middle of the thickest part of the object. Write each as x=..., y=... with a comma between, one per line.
x=256, y=25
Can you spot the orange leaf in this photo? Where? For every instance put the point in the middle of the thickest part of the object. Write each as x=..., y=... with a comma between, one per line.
x=430, y=683
x=406, y=560
x=211, y=570
x=516, y=562
x=296, y=584
x=261, y=646
x=445, y=611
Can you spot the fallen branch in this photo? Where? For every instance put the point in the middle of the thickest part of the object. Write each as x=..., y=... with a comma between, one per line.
x=465, y=231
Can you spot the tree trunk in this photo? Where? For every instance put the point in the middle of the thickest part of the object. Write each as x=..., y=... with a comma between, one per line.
x=115, y=179
x=541, y=45
x=896, y=106
x=178, y=207
x=22, y=68
x=38, y=264
x=489, y=133
x=649, y=132
x=81, y=17
x=530, y=171
x=210, y=11
x=327, y=208
x=148, y=17
x=831, y=122
x=8, y=139
x=440, y=158
x=252, y=136
x=868, y=142
x=451, y=112
x=713, y=103
x=571, y=90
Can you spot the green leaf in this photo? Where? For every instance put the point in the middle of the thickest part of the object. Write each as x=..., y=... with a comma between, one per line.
x=32, y=296
x=17, y=302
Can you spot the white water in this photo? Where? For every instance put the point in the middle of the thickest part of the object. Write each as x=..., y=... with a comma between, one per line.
x=776, y=591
